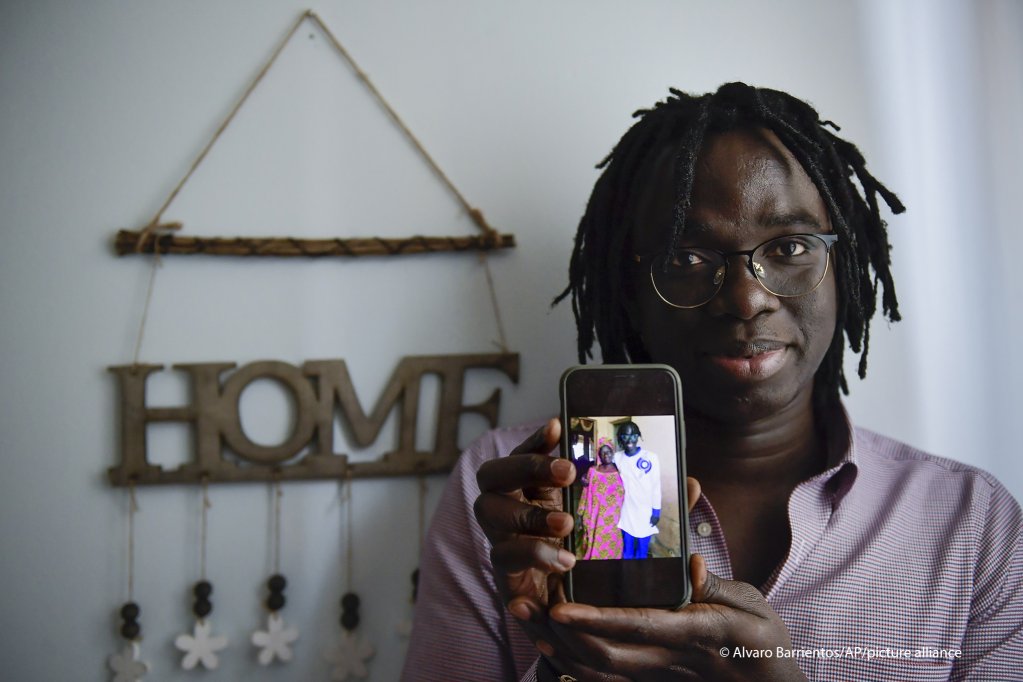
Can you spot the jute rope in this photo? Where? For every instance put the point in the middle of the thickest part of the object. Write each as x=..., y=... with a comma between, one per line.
x=346, y=504
x=133, y=507
x=474, y=213
x=278, y=494
x=151, y=232
x=204, y=507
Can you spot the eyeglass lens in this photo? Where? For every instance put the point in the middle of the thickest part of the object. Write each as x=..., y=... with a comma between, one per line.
x=792, y=265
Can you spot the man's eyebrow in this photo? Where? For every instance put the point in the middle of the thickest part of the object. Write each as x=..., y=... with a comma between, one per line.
x=696, y=227
x=791, y=218
x=782, y=219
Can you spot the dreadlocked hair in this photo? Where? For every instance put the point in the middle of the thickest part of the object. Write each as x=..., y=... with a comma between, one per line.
x=597, y=270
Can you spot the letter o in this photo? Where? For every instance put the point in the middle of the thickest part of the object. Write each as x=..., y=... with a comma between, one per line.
x=286, y=375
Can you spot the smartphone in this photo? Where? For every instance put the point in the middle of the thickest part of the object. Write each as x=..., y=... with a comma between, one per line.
x=622, y=428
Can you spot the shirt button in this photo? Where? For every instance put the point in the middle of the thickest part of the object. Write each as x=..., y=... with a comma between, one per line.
x=704, y=529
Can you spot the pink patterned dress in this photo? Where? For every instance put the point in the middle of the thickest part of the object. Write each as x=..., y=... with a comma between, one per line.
x=600, y=504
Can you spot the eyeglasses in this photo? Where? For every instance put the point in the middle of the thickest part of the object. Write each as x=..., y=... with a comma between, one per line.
x=789, y=266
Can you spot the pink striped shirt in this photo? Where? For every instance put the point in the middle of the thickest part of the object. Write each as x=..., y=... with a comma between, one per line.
x=892, y=551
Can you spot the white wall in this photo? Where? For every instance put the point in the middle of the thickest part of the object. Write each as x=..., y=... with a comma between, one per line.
x=103, y=105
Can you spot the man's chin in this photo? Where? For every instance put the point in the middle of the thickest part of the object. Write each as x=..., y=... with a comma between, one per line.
x=737, y=407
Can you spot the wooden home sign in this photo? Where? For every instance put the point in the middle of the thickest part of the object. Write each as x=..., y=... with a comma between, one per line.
x=320, y=389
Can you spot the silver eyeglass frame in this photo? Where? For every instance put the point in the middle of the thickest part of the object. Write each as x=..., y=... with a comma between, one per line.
x=829, y=241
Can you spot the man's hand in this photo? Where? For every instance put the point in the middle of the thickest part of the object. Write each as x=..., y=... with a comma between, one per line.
x=519, y=509
x=695, y=643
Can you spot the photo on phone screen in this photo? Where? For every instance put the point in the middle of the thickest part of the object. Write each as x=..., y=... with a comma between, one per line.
x=626, y=487
x=623, y=432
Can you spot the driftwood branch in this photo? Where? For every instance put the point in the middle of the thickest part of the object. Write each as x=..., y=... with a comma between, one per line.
x=130, y=241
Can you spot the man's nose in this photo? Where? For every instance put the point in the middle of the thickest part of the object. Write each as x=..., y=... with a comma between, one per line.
x=741, y=294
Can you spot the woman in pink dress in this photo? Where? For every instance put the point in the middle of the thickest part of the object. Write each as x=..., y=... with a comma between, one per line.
x=600, y=504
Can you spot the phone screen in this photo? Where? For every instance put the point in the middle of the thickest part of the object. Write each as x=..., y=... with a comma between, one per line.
x=623, y=432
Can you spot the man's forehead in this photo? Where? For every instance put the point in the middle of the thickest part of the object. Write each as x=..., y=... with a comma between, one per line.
x=742, y=174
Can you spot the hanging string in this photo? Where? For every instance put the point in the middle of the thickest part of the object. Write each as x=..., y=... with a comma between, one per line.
x=133, y=507
x=154, y=223
x=347, y=499
x=278, y=494
x=145, y=309
x=474, y=213
x=204, y=506
x=502, y=340
x=422, y=511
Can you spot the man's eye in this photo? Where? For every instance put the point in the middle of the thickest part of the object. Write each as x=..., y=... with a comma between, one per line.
x=788, y=248
x=687, y=259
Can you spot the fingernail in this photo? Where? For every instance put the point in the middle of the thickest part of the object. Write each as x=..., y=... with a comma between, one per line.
x=519, y=610
x=561, y=468
x=545, y=648
x=566, y=560
x=559, y=522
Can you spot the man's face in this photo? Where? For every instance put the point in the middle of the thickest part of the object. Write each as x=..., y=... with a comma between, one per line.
x=746, y=353
x=628, y=437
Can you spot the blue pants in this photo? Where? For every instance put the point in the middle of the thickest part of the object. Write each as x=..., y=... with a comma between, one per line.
x=635, y=548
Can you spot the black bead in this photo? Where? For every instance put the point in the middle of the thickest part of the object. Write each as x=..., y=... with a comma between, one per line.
x=202, y=589
x=202, y=607
x=350, y=601
x=130, y=611
x=349, y=620
x=275, y=602
x=130, y=630
x=276, y=583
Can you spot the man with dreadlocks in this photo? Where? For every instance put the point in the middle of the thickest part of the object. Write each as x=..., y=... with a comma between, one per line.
x=737, y=238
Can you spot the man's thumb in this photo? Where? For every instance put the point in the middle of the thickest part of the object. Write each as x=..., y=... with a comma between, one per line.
x=710, y=589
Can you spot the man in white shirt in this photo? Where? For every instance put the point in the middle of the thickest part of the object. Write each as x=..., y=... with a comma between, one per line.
x=641, y=475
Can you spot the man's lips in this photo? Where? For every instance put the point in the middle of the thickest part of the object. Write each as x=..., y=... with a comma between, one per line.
x=756, y=359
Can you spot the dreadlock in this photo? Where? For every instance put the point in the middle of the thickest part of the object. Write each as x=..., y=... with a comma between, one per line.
x=682, y=121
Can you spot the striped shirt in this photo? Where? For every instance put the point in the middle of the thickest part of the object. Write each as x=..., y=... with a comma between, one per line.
x=902, y=566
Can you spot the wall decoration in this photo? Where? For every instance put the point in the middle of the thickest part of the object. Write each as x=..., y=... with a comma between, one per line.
x=320, y=388
x=404, y=626
x=322, y=393
x=349, y=652
x=202, y=645
x=275, y=642
x=159, y=237
x=127, y=664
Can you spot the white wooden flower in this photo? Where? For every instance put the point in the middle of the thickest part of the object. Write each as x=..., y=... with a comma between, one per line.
x=348, y=655
x=275, y=641
x=201, y=646
x=126, y=665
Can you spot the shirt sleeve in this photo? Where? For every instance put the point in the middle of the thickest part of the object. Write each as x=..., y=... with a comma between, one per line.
x=460, y=622
x=992, y=647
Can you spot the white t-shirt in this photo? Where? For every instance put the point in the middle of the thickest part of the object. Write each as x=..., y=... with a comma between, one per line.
x=641, y=476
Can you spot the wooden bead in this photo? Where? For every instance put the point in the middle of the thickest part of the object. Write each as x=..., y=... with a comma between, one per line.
x=276, y=583
x=202, y=607
x=275, y=602
x=130, y=611
x=350, y=601
x=349, y=620
x=130, y=630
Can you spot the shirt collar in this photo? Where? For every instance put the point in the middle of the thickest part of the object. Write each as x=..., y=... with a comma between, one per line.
x=843, y=461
